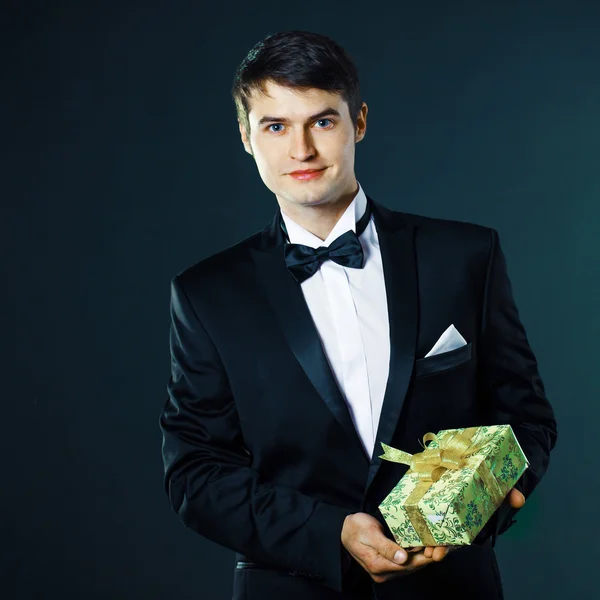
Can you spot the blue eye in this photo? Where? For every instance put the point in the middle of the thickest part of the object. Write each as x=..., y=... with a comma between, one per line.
x=330, y=120
x=280, y=124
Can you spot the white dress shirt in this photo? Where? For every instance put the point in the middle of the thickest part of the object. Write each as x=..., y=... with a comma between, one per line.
x=349, y=309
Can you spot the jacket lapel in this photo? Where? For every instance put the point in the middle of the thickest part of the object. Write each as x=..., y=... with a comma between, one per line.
x=396, y=242
x=287, y=301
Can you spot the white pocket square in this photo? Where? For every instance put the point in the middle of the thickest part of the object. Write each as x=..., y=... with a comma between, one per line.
x=449, y=340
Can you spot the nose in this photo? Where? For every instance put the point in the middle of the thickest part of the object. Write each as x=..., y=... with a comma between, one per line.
x=301, y=146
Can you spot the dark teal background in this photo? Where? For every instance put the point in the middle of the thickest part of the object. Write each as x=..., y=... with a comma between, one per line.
x=123, y=165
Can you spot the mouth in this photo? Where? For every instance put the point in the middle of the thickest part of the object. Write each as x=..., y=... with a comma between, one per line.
x=308, y=174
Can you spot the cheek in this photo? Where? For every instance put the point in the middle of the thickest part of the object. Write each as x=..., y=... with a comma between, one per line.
x=349, y=152
x=262, y=162
x=265, y=160
x=268, y=169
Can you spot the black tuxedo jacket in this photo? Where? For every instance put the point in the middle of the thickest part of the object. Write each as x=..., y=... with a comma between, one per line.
x=260, y=452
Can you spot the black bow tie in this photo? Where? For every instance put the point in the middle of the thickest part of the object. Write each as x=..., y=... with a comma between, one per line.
x=303, y=261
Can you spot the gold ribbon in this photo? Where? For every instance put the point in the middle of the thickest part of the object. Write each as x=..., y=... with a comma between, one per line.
x=453, y=452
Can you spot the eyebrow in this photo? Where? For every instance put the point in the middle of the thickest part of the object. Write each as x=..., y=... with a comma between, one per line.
x=323, y=113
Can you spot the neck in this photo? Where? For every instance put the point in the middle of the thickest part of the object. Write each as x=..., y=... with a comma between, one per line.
x=319, y=219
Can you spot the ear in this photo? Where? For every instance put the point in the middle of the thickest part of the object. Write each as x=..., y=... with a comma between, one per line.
x=244, y=137
x=361, y=122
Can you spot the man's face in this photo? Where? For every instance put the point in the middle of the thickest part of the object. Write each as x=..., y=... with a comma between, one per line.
x=296, y=139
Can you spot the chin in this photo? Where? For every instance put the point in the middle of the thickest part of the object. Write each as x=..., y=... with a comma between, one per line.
x=311, y=199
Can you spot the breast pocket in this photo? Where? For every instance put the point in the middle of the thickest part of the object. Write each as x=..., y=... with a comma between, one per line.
x=445, y=361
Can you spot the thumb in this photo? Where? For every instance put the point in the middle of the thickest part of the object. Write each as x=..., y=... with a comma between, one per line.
x=516, y=498
x=393, y=552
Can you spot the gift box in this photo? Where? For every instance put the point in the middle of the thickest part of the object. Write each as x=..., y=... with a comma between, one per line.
x=454, y=486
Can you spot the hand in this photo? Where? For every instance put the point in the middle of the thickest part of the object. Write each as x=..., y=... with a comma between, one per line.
x=515, y=500
x=437, y=553
x=364, y=538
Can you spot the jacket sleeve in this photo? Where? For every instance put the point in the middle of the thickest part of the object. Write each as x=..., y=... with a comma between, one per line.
x=208, y=476
x=512, y=383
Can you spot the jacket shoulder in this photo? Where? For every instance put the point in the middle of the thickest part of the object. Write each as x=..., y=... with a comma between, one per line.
x=466, y=237
x=449, y=226
x=220, y=264
x=448, y=242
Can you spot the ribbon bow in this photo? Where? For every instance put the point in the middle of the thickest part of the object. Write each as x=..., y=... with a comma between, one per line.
x=303, y=261
x=432, y=463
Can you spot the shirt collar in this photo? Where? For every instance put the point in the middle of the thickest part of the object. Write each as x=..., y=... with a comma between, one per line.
x=347, y=222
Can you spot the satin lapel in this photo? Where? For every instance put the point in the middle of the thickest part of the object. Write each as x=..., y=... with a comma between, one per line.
x=287, y=301
x=396, y=242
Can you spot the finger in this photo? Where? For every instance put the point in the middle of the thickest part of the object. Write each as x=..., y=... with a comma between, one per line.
x=415, y=549
x=428, y=552
x=385, y=548
x=439, y=553
x=417, y=562
x=516, y=498
x=375, y=563
x=378, y=564
x=374, y=546
x=392, y=552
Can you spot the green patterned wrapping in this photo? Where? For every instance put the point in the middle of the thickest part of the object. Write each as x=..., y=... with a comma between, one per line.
x=457, y=506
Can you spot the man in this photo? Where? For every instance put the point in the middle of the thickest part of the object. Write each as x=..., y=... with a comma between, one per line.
x=298, y=351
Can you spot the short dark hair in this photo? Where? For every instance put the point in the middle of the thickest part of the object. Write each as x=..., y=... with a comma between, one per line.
x=296, y=59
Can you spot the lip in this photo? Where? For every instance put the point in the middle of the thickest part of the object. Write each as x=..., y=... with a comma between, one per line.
x=308, y=174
